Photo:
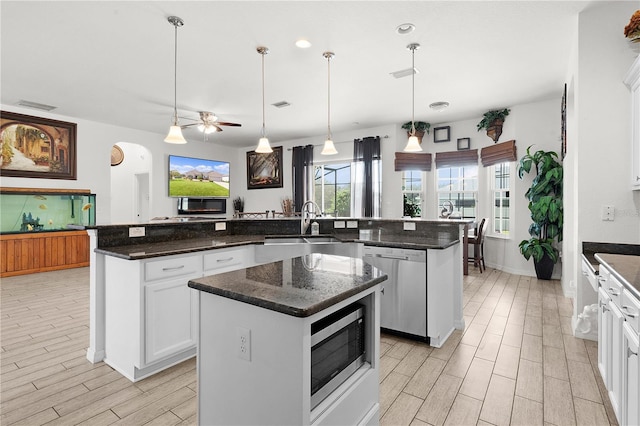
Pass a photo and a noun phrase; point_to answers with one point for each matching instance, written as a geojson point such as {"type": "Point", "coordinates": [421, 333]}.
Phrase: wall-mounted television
{"type": "Point", "coordinates": [198, 178]}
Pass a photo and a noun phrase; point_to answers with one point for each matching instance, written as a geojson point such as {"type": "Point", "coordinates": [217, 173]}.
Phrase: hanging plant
{"type": "Point", "coordinates": [492, 121]}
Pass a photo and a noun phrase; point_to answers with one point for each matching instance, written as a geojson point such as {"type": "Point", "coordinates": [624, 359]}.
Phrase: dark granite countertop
{"type": "Point", "coordinates": [589, 250]}
{"type": "Point", "coordinates": [626, 268]}
{"type": "Point", "coordinates": [167, 248]}
{"type": "Point", "coordinates": [301, 286]}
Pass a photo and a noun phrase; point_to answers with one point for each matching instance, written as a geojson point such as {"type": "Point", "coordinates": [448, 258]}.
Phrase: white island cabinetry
{"type": "Point", "coordinates": [151, 315]}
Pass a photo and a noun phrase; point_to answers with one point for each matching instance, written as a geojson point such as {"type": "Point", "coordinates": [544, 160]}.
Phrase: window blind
{"type": "Point", "coordinates": [457, 158]}
{"type": "Point", "coordinates": [499, 153]}
{"type": "Point", "coordinates": [412, 161]}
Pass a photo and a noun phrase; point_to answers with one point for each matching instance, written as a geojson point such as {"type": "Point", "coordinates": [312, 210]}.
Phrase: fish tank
{"type": "Point", "coordinates": [25, 210]}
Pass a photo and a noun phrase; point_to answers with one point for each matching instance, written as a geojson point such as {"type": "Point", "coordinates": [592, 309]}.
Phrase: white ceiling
{"type": "Point", "coordinates": [113, 62]}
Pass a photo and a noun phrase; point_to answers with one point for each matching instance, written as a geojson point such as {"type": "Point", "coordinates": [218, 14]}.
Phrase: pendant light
{"type": "Point", "coordinates": [175, 133]}
{"type": "Point", "coordinates": [329, 148]}
{"type": "Point", "coordinates": [413, 145]}
{"type": "Point", "coordinates": [263, 143]}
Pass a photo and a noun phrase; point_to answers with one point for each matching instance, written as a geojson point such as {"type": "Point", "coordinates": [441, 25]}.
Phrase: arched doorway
{"type": "Point", "coordinates": [130, 183]}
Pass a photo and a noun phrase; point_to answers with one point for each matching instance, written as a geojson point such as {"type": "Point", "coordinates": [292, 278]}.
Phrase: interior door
{"type": "Point", "coordinates": [142, 197]}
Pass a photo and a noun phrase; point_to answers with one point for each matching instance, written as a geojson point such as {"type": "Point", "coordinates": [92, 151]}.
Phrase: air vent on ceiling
{"type": "Point", "coordinates": [405, 73]}
{"type": "Point", "coordinates": [35, 105]}
{"type": "Point", "coordinates": [281, 104]}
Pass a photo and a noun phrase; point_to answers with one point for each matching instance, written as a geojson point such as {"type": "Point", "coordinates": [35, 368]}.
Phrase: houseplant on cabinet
{"type": "Point", "coordinates": [545, 205]}
{"type": "Point", "coordinates": [420, 126]}
{"type": "Point", "coordinates": [493, 121]}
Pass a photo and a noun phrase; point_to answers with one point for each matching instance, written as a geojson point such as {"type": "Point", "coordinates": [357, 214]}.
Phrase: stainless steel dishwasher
{"type": "Point", "coordinates": [403, 304]}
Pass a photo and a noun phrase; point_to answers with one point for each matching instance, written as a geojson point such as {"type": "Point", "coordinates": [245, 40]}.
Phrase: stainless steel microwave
{"type": "Point", "coordinates": [337, 350]}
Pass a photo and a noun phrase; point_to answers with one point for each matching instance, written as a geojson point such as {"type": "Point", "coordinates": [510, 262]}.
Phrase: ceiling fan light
{"type": "Point", "coordinates": [413, 145]}
{"type": "Point", "coordinates": [263, 146]}
{"type": "Point", "coordinates": [329, 148]}
{"type": "Point", "coordinates": [175, 136]}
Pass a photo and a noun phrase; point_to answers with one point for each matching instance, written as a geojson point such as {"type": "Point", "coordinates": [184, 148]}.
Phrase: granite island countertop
{"type": "Point", "coordinates": [192, 245]}
{"type": "Point", "coordinates": [301, 286]}
{"type": "Point", "coordinates": [626, 268]}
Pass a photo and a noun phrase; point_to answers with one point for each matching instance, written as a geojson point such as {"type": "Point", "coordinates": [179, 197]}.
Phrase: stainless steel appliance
{"type": "Point", "coordinates": [403, 303]}
{"type": "Point", "coordinates": [337, 350]}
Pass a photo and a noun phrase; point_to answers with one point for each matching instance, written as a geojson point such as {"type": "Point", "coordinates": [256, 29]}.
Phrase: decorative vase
{"type": "Point", "coordinates": [495, 129]}
{"type": "Point", "coordinates": [544, 268]}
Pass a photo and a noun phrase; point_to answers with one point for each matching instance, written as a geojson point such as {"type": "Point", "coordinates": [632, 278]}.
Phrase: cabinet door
{"type": "Point", "coordinates": [630, 377]}
{"type": "Point", "coordinates": [604, 337]}
{"type": "Point", "coordinates": [170, 319]}
{"type": "Point", "coordinates": [616, 362]}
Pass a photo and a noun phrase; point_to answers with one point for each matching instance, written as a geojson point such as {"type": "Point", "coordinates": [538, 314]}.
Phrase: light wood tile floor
{"type": "Point", "coordinates": [515, 363]}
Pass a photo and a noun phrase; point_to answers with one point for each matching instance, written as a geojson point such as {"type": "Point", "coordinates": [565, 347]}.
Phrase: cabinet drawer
{"type": "Point", "coordinates": [631, 309]}
{"type": "Point", "coordinates": [223, 259]}
{"type": "Point", "coordinates": [614, 289]}
{"type": "Point", "coordinates": [171, 267]}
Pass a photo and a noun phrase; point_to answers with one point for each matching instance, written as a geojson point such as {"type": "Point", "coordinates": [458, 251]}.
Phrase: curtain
{"type": "Point", "coordinates": [302, 163]}
{"type": "Point", "coordinates": [366, 179]}
{"type": "Point", "coordinates": [499, 153]}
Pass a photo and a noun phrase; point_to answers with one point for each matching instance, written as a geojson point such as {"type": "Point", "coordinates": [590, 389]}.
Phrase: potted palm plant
{"type": "Point", "coordinates": [421, 127]}
{"type": "Point", "coordinates": [545, 205]}
{"type": "Point", "coordinates": [492, 121]}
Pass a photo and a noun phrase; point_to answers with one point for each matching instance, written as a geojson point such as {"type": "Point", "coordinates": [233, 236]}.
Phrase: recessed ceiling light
{"type": "Point", "coordinates": [303, 43]}
{"type": "Point", "coordinates": [403, 29]}
{"type": "Point", "coordinates": [439, 106]}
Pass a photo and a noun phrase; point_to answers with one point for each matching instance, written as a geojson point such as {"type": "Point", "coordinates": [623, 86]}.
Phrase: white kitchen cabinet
{"type": "Point", "coordinates": [605, 322]}
{"type": "Point", "coordinates": [631, 376]}
{"type": "Point", "coordinates": [615, 389]}
{"type": "Point", "coordinates": [151, 318]}
{"type": "Point", "coordinates": [632, 80]}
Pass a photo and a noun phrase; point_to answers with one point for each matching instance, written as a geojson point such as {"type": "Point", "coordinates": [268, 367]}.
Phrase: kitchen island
{"type": "Point", "coordinates": [256, 327]}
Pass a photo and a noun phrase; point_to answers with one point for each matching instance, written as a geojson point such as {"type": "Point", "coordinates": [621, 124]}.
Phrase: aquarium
{"type": "Point", "coordinates": [25, 211]}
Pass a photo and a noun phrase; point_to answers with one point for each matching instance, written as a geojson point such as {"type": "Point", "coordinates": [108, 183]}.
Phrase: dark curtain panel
{"type": "Point", "coordinates": [367, 150]}
{"type": "Point", "coordinates": [302, 161]}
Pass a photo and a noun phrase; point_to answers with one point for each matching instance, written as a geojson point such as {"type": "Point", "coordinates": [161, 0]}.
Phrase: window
{"type": "Point", "coordinates": [459, 185]}
{"type": "Point", "coordinates": [412, 193]}
{"type": "Point", "coordinates": [332, 188]}
{"type": "Point", "coordinates": [500, 192]}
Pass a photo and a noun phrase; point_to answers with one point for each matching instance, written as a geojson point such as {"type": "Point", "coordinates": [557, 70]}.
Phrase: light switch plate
{"type": "Point", "coordinates": [608, 213]}
{"type": "Point", "coordinates": [221, 226]}
{"type": "Point", "coordinates": [136, 231]}
{"type": "Point", "coordinates": [409, 226]}
{"type": "Point", "coordinates": [338, 224]}
{"type": "Point", "coordinates": [352, 224]}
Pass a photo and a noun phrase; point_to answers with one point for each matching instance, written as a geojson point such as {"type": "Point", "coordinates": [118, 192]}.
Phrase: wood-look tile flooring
{"type": "Point", "coordinates": [516, 363]}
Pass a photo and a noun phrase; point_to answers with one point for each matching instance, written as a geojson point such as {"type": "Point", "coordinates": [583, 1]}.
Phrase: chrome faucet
{"type": "Point", "coordinates": [305, 220]}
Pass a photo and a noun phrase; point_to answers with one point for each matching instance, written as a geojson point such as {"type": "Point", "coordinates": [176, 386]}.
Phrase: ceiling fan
{"type": "Point", "coordinates": [208, 123]}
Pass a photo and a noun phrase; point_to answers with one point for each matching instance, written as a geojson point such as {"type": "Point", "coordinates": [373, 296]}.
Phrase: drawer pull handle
{"type": "Point", "coordinates": [604, 308]}
{"type": "Point", "coordinates": [175, 268]}
{"type": "Point", "coordinates": [625, 310]}
{"type": "Point", "coordinates": [614, 292]}
{"type": "Point", "coordinates": [630, 353]}
{"type": "Point", "coordinates": [228, 259]}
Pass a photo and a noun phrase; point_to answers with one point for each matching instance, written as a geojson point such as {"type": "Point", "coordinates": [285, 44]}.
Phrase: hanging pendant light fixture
{"type": "Point", "coordinates": [263, 143]}
{"type": "Point", "coordinates": [329, 148]}
{"type": "Point", "coordinates": [175, 133]}
{"type": "Point", "coordinates": [413, 145]}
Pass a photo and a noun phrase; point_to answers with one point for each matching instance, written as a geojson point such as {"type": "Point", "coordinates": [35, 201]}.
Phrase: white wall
{"type": "Point", "coordinates": [93, 144]}
{"type": "Point", "coordinates": [598, 164]}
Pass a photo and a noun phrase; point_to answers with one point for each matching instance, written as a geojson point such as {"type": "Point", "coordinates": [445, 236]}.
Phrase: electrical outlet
{"type": "Point", "coordinates": [243, 336]}
{"type": "Point", "coordinates": [221, 226]}
{"type": "Point", "coordinates": [608, 213]}
{"type": "Point", "coordinates": [136, 231]}
{"type": "Point", "coordinates": [352, 224]}
{"type": "Point", "coordinates": [338, 224]}
{"type": "Point", "coordinates": [409, 226]}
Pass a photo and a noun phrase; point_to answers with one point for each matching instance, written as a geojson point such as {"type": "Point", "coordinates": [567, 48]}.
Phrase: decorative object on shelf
{"type": "Point", "coordinates": [175, 132]}
{"type": "Point", "coordinates": [632, 31]}
{"type": "Point", "coordinates": [492, 121]}
{"type": "Point", "coordinates": [563, 123]}
{"type": "Point", "coordinates": [413, 144]}
{"type": "Point", "coordinates": [287, 207]}
{"type": "Point", "coordinates": [117, 155]}
{"type": "Point", "coordinates": [421, 128]}
{"type": "Point", "coordinates": [37, 147]}
{"type": "Point", "coordinates": [329, 148]}
{"type": "Point", "coordinates": [442, 134]}
{"type": "Point", "coordinates": [263, 143]}
{"type": "Point", "coordinates": [264, 170]}
{"type": "Point", "coordinates": [238, 205]}
{"type": "Point", "coordinates": [464, 143]}
{"type": "Point", "coordinates": [545, 205]}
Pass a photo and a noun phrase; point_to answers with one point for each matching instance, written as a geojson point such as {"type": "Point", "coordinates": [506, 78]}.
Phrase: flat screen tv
{"type": "Point", "coordinates": [198, 178]}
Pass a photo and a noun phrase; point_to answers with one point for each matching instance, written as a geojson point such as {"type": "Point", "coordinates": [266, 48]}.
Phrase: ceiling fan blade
{"type": "Point", "coordinates": [226, 123]}
{"type": "Point", "coordinates": [184, 126]}
{"type": "Point", "coordinates": [217, 127]}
